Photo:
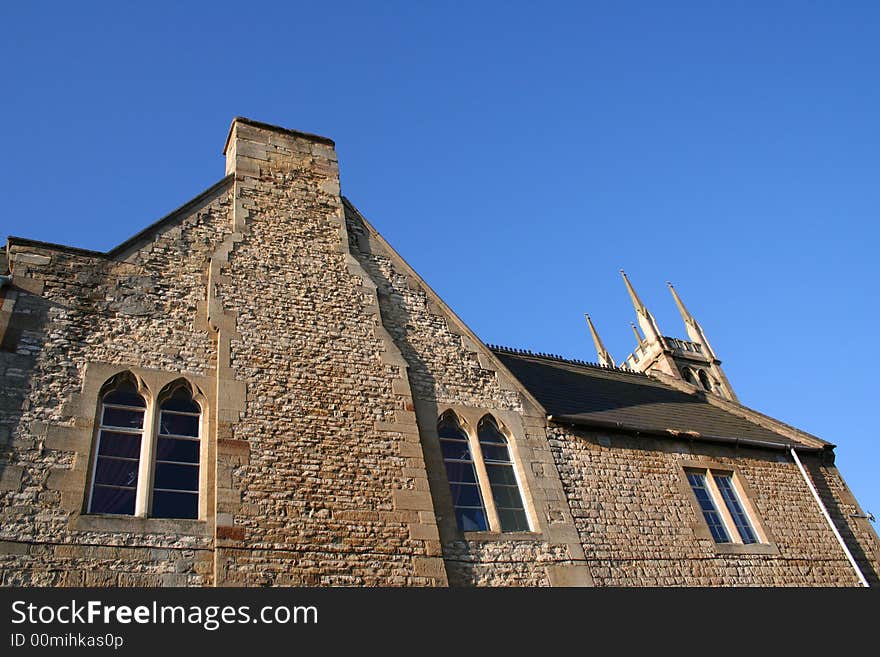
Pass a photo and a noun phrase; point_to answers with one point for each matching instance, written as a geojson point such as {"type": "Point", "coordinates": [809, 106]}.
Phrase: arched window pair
{"type": "Point", "coordinates": [470, 478]}
{"type": "Point", "coordinates": [146, 465]}
{"type": "Point", "coordinates": [688, 375]}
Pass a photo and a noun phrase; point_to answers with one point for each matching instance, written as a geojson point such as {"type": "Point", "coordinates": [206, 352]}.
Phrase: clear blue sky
{"type": "Point", "coordinates": [518, 155]}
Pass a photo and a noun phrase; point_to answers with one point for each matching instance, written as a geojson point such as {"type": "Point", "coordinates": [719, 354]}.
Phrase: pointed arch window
{"type": "Point", "coordinates": [502, 476]}
{"type": "Point", "coordinates": [176, 477]}
{"type": "Point", "coordinates": [118, 452]}
{"type": "Point", "coordinates": [467, 499]}
{"type": "Point", "coordinates": [486, 494]}
{"type": "Point", "coordinates": [147, 451]}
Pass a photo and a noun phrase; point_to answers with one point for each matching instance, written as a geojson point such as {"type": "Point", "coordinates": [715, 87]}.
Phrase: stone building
{"type": "Point", "coordinates": [258, 390]}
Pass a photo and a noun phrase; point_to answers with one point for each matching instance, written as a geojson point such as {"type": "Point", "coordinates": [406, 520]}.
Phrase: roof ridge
{"type": "Point", "coordinates": [562, 359]}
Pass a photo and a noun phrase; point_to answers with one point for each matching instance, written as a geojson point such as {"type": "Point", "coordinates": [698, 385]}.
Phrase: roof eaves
{"type": "Point", "coordinates": [51, 246]}
{"type": "Point", "coordinates": [674, 434]}
{"type": "Point", "coordinates": [746, 413]}
{"type": "Point", "coordinates": [789, 433]}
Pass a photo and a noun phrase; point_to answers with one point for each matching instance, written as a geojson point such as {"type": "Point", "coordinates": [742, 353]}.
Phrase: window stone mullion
{"type": "Point", "coordinates": [145, 470]}
{"type": "Point", "coordinates": [485, 486]}
{"type": "Point", "coordinates": [721, 506]}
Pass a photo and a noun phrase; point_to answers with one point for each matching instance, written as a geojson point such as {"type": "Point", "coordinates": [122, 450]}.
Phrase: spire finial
{"type": "Point", "coordinates": [604, 357]}
{"type": "Point", "coordinates": [685, 315]}
{"type": "Point", "coordinates": [691, 325]}
{"type": "Point", "coordinates": [637, 303]}
{"type": "Point", "coordinates": [646, 319]}
{"type": "Point", "coordinates": [696, 334]}
{"type": "Point", "coordinates": [636, 333]}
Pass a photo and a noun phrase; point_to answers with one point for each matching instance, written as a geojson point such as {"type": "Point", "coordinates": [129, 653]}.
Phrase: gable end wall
{"type": "Point", "coordinates": [76, 320]}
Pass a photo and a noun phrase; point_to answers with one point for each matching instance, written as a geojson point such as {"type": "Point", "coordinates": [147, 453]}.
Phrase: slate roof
{"type": "Point", "coordinates": [592, 395]}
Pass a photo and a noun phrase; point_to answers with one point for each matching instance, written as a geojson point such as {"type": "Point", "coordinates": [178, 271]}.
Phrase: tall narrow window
{"type": "Point", "coordinates": [176, 479]}
{"type": "Point", "coordinates": [725, 507]}
{"type": "Point", "coordinates": [463, 484]}
{"type": "Point", "coordinates": [704, 379]}
{"type": "Point", "coordinates": [688, 375]}
{"type": "Point", "coordinates": [502, 477]}
{"type": "Point", "coordinates": [734, 506]}
{"type": "Point", "coordinates": [117, 461]}
{"type": "Point", "coordinates": [698, 484]}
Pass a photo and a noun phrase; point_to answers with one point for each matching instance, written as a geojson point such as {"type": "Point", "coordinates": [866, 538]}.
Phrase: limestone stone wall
{"type": "Point", "coordinates": [321, 480]}
{"type": "Point", "coordinates": [71, 312]}
{"type": "Point", "coordinates": [450, 369]}
{"type": "Point", "coordinates": [849, 518]}
{"type": "Point", "coordinates": [638, 526]}
{"type": "Point", "coordinates": [323, 362]}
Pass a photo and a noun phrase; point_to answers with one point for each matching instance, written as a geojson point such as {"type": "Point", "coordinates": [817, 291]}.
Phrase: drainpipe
{"type": "Point", "coordinates": [862, 580]}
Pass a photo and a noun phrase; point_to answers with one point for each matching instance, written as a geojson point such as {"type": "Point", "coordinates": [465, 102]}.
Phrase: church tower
{"type": "Point", "coordinates": [693, 360]}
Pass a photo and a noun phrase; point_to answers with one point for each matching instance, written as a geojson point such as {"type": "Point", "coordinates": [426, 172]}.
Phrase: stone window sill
{"type": "Point", "coordinates": [137, 525]}
{"type": "Point", "coordinates": [503, 536]}
{"type": "Point", "coordinates": [751, 548]}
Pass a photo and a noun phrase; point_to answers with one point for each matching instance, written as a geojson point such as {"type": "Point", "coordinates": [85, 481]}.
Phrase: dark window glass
{"type": "Point", "coordinates": [181, 401]}
{"type": "Point", "coordinates": [499, 466]}
{"type": "Point", "coordinates": [493, 443]}
{"type": "Point", "coordinates": [453, 449]}
{"type": "Point", "coordinates": [176, 484]}
{"type": "Point", "coordinates": [113, 500]}
{"type": "Point", "coordinates": [501, 474]}
{"type": "Point", "coordinates": [704, 379]}
{"type": "Point", "coordinates": [467, 499]}
{"type": "Point", "coordinates": [124, 418]}
{"type": "Point", "coordinates": [114, 485]}
{"type": "Point", "coordinates": [116, 472]}
{"type": "Point", "coordinates": [513, 520]}
{"type": "Point", "coordinates": [448, 427]}
{"type": "Point", "coordinates": [506, 497]}
{"type": "Point", "coordinates": [495, 453]}
{"type": "Point", "coordinates": [176, 477]}
{"type": "Point", "coordinates": [174, 424]}
{"type": "Point", "coordinates": [466, 495]}
{"type": "Point", "coordinates": [125, 395]}
{"type": "Point", "coordinates": [487, 432]}
{"type": "Point", "coordinates": [126, 445]}
{"type": "Point", "coordinates": [175, 505]}
{"type": "Point", "coordinates": [710, 513]}
{"type": "Point", "coordinates": [740, 519]}
{"type": "Point", "coordinates": [173, 449]}
{"type": "Point", "coordinates": [472, 520]}
{"type": "Point", "coordinates": [460, 472]}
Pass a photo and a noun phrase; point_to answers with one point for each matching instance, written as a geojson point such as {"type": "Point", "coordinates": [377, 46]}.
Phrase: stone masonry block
{"type": "Point", "coordinates": [424, 532]}
{"type": "Point", "coordinates": [569, 575]}
{"type": "Point", "coordinates": [429, 567]}
{"type": "Point", "coordinates": [30, 259]}
{"type": "Point", "coordinates": [10, 477]}
{"type": "Point", "coordinates": [412, 500]}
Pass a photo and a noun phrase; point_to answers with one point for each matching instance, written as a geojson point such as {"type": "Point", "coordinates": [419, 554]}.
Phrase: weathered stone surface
{"type": "Point", "coordinates": [323, 363]}
{"type": "Point", "coordinates": [637, 526]}
{"type": "Point", "coordinates": [449, 368]}
{"type": "Point", "coordinates": [83, 315]}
